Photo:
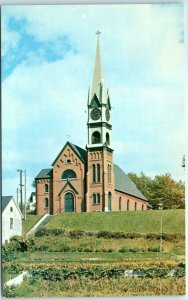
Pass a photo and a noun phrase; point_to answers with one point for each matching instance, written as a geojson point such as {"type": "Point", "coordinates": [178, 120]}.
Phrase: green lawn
{"type": "Point", "coordinates": [129, 221]}
{"type": "Point", "coordinates": [31, 220]}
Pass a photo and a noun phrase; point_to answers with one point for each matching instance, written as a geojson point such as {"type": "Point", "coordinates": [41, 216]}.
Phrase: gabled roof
{"type": "Point", "coordinates": [124, 184]}
{"type": "Point", "coordinates": [82, 154]}
{"type": "Point", "coordinates": [95, 101]}
{"type": "Point", "coordinates": [44, 174]}
{"type": "Point", "coordinates": [5, 202]}
{"type": "Point", "coordinates": [71, 186]}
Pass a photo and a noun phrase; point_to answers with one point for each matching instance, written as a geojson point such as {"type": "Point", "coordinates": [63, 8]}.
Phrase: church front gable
{"type": "Point", "coordinates": [69, 201]}
{"type": "Point", "coordinates": [68, 167]}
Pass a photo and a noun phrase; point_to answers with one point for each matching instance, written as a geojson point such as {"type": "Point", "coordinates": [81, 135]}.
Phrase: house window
{"type": "Point", "coordinates": [128, 204]}
{"type": "Point", "coordinates": [96, 137]}
{"type": "Point", "coordinates": [68, 174]}
{"type": "Point", "coordinates": [93, 173]}
{"type": "Point", "coordinates": [11, 223]}
{"type": "Point", "coordinates": [98, 173]}
{"type": "Point", "coordinates": [98, 199]}
{"type": "Point", "coordinates": [142, 206]}
{"type": "Point", "coordinates": [11, 208]}
{"type": "Point", "coordinates": [94, 198]}
{"type": "Point", "coordinates": [46, 203]}
{"type": "Point", "coordinates": [135, 206]}
{"type": "Point", "coordinates": [68, 161]}
{"type": "Point", "coordinates": [119, 203]}
{"type": "Point", "coordinates": [46, 188]}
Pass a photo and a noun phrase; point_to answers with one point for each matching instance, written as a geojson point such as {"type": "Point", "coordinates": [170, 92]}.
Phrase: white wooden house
{"type": "Point", "coordinates": [32, 202]}
{"type": "Point", "coordinates": [11, 218]}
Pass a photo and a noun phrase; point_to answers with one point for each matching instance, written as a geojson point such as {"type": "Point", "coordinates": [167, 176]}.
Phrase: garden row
{"type": "Point", "coordinates": [88, 248]}
{"type": "Point", "coordinates": [54, 273]}
{"type": "Point", "coordinates": [107, 234]}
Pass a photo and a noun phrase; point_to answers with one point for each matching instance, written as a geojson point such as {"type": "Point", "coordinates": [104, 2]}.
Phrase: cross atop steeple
{"type": "Point", "coordinates": [98, 33]}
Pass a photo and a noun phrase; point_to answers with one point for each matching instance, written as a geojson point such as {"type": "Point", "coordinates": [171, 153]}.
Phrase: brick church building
{"type": "Point", "coordinates": [87, 180]}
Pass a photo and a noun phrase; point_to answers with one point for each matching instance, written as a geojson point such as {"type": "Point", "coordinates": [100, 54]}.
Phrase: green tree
{"type": "Point", "coordinates": [168, 192]}
{"type": "Point", "coordinates": [143, 183]}
{"type": "Point", "coordinates": [161, 190]}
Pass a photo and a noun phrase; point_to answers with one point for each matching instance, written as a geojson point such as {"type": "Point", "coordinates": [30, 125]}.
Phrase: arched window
{"type": "Point", "coordinates": [109, 201]}
{"type": "Point", "coordinates": [96, 137]}
{"type": "Point", "coordinates": [46, 187]}
{"type": "Point", "coordinates": [142, 206]}
{"type": "Point", "coordinates": [98, 199]}
{"type": "Point", "coordinates": [128, 204]}
{"type": "Point", "coordinates": [119, 203]}
{"type": "Point", "coordinates": [98, 173]}
{"type": "Point", "coordinates": [68, 161]}
{"type": "Point", "coordinates": [68, 174]}
{"type": "Point", "coordinates": [107, 138]}
{"type": "Point", "coordinates": [93, 173]}
{"type": "Point", "coordinates": [46, 202]}
{"type": "Point", "coordinates": [135, 206]}
{"type": "Point", "coordinates": [94, 198]}
{"type": "Point", "coordinates": [109, 174]}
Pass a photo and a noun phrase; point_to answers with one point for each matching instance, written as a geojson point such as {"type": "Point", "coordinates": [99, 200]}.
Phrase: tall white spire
{"type": "Point", "coordinates": [98, 84]}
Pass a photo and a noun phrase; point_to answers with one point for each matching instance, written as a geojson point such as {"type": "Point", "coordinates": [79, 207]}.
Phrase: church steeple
{"type": "Point", "coordinates": [98, 79]}
{"type": "Point", "coordinates": [99, 126]}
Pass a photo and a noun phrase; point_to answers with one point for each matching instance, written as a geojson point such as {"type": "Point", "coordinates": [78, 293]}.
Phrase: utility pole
{"type": "Point", "coordinates": [161, 236]}
{"type": "Point", "coordinates": [25, 197]}
{"type": "Point", "coordinates": [17, 190]}
{"type": "Point", "coordinates": [21, 194]}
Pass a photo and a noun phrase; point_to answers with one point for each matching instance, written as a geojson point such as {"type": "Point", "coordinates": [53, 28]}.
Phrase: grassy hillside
{"type": "Point", "coordinates": [130, 221]}
{"type": "Point", "coordinates": [31, 220]}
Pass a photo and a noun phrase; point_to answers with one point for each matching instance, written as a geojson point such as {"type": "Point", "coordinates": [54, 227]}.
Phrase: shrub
{"type": "Point", "coordinates": [154, 249]}
{"type": "Point", "coordinates": [8, 292]}
{"type": "Point", "coordinates": [132, 235]}
{"type": "Point", "coordinates": [76, 233]}
{"type": "Point", "coordinates": [44, 247]}
{"type": "Point", "coordinates": [123, 249]}
{"type": "Point", "coordinates": [104, 234]}
{"type": "Point", "coordinates": [134, 250]}
{"type": "Point", "coordinates": [10, 251]}
{"type": "Point", "coordinates": [42, 232]}
{"type": "Point", "coordinates": [64, 248]}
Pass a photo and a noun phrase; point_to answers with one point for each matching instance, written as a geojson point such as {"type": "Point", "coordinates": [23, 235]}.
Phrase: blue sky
{"type": "Point", "coordinates": [48, 57]}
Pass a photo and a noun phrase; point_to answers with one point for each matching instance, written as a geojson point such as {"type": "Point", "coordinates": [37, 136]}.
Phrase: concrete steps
{"type": "Point", "coordinates": [41, 223]}
{"type": "Point", "coordinates": [44, 222]}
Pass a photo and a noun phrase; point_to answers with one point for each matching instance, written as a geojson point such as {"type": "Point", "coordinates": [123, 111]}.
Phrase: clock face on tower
{"type": "Point", "coordinates": [107, 115]}
{"type": "Point", "coordinates": [95, 114]}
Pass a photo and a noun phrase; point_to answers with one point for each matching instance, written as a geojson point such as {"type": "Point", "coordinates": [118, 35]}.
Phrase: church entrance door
{"type": "Point", "coordinates": [69, 202]}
